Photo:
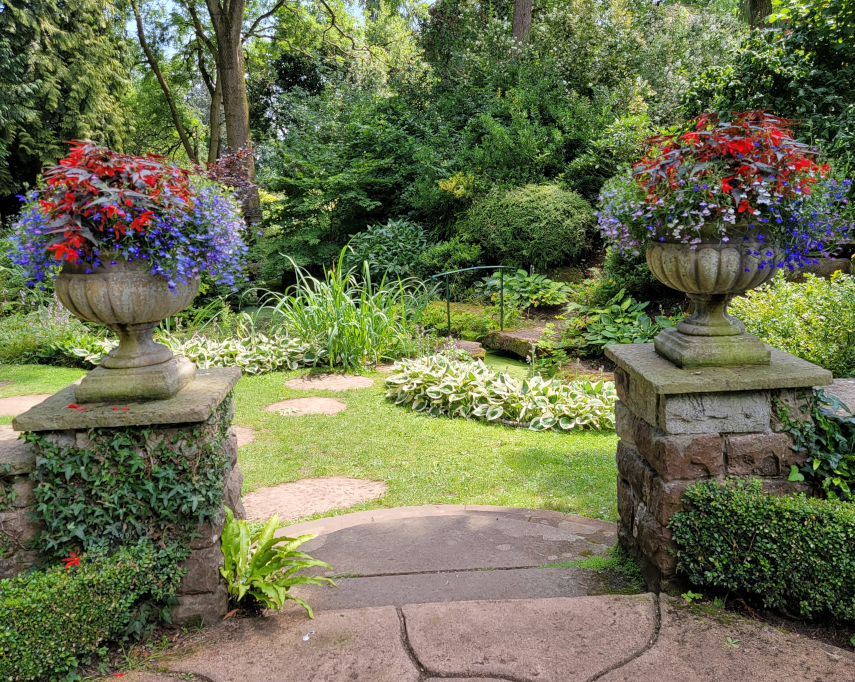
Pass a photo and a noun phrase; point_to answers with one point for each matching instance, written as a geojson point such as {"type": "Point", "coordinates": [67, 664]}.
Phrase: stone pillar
{"type": "Point", "coordinates": [677, 426]}
{"type": "Point", "coordinates": [194, 418]}
{"type": "Point", "coordinates": [17, 502]}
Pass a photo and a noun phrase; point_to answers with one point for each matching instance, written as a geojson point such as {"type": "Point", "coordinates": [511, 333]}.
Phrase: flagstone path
{"type": "Point", "coordinates": [457, 594]}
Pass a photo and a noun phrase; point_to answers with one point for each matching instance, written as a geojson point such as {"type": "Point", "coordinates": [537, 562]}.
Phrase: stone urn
{"type": "Point", "coordinates": [130, 300]}
{"type": "Point", "coordinates": [712, 273]}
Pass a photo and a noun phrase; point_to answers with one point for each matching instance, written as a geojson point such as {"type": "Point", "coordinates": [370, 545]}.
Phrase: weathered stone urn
{"type": "Point", "coordinates": [130, 300]}
{"type": "Point", "coordinates": [712, 273]}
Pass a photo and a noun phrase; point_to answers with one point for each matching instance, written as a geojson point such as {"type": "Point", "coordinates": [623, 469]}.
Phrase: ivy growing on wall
{"type": "Point", "coordinates": [115, 486]}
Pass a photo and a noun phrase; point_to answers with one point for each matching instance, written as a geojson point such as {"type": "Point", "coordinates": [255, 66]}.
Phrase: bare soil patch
{"type": "Point", "coordinates": [297, 407]}
{"type": "Point", "coordinates": [309, 496]}
{"type": "Point", "coordinates": [18, 404]}
{"type": "Point", "coordinates": [329, 382]}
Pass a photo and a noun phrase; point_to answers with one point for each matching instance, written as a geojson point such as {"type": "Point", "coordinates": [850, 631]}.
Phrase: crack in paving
{"type": "Point", "coordinates": [657, 627]}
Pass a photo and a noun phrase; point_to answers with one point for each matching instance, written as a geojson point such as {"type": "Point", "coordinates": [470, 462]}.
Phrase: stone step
{"type": "Point", "coordinates": [475, 349]}
{"type": "Point", "coordinates": [518, 341]}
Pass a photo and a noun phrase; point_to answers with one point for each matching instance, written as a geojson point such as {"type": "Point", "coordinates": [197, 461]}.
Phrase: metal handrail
{"type": "Point", "coordinates": [500, 268]}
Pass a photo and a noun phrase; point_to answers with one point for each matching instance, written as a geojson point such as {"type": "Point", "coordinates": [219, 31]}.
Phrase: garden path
{"type": "Point", "coordinates": [456, 593]}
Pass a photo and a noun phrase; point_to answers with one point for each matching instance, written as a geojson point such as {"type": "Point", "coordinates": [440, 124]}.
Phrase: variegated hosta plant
{"type": "Point", "coordinates": [440, 386]}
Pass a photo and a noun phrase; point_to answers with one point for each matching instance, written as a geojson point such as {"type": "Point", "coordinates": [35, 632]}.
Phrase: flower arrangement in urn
{"type": "Point", "coordinates": [130, 237]}
{"type": "Point", "coordinates": [720, 208]}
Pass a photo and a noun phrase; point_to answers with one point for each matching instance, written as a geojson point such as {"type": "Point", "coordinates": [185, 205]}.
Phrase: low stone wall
{"type": "Point", "coordinates": [195, 421]}
{"type": "Point", "coordinates": [677, 426]}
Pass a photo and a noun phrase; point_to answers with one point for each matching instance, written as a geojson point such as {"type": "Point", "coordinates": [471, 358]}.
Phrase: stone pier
{"type": "Point", "coordinates": [196, 420]}
{"type": "Point", "coordinates": [677, 426]}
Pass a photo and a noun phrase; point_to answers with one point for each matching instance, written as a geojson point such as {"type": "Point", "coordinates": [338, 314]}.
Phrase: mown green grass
{"type": "Point", "coordinates": [422, 460]}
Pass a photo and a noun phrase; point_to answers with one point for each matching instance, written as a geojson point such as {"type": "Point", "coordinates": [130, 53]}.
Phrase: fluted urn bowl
{"type": "Point", "coordinates": [130, 300]}
{"type": "Point", "coordinates": [711, 274]}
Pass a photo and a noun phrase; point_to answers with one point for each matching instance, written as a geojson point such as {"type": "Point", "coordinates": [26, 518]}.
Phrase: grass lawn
{"type": "Point", "coordinates": [423, 460]}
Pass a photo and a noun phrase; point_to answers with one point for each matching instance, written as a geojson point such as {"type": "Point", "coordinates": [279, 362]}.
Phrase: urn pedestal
{"type": "Point", "coordinates": [712, 274]}
{"type": "Point", "coordinates": [130, 300]}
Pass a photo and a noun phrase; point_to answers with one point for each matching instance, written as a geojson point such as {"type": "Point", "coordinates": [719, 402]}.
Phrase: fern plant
{"type": "Point", "coordinates": [262, 567]}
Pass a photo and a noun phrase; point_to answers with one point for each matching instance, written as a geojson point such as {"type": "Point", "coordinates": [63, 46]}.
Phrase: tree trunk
{"type": "Point", "coordinates": [214, 124]}
{"type": "Point", "coordinates": [164, 86]}
{"type": "Point", "coordinates": [522, 20]}
{"type": "Point", "coordinates": [758, 11]}
{"type": "Point", "coordinates": [228, 23]}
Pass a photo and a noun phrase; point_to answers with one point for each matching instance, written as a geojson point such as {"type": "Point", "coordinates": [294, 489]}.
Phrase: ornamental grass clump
{"type": "Point", "coordinates": [98, 206]}
{"type": "Point", "coordinates": [744, 179]}
{"type": "Point", "coordinates": [440, 386]}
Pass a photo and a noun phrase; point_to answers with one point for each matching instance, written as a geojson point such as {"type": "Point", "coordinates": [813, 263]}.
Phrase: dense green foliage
{"type": "Point", "coordinates": [620, 320]}
{"type": "Point", "coordinates": [131, 483]}
{"type": "Point", "coordinates": [788, 551]}
{"type": "Point", "coordinates": [814, 319]}
{"type": "Point", "coordinates": [437, 386]}
{"type": "Point", "coordinates": [800, 67]}
{"type": "Point", "coordinates": [827, 441]}
{"type": "Point", "coordinates": [262, 567]}
{"type": "Point", "coordinates": [468, 322]}
{"type": "Point", "coordinates": [51, 621]}
{"type": "Point", "coordinates": [63, 76]}
{"type": "Point", "coordinates": [393, 249]}
{"type": "Point", "coordinates": [533, 225]}
{"type": "Point", "coordinates": [523, 290]}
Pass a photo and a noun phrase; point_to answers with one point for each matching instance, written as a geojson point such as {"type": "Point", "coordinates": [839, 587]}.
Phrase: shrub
{"type": "Point", "coordinates": [814, 319]}
{"type": "Point", "coordinates": [51, 621]}
{"type": "Point", "coordinates": [628, 273]}
{"type": "Point", "coordinates": [393, 249]}
{"type": "Point", "coordinates": [522, 290]}
{"type": "Point", "coordinates": [790, 552]}
{"type": "Point", "coordinates": [533, 225]}
{"type": "Point", "coordinates": [440, 386]}
{"type": "Point", "coordinates": [447, 256]}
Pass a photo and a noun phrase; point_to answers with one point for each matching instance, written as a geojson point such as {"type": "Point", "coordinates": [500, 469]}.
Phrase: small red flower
{"type": "Point", "coordinates": [71, 560]}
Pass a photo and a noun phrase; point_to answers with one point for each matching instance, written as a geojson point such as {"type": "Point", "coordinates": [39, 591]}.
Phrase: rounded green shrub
{"type": "Point", "coordinates": [532, 225]}
{"type": "Point", "coordinates": [51, 621]}
{"type": "Point", "coordinates": [788, 551]}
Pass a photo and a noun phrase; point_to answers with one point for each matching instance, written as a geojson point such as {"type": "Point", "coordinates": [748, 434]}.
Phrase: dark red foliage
{"type": "Point", "coordinates": [95, 191]}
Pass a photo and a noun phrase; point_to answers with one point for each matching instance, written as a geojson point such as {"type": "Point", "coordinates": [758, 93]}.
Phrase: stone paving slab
{"type": "Point", "coordinates": [424, 588]}
{"type": "Point", "coordinates": [538, 640]}
{"type": "Point", "coordinates": [693, 648]}
{"type": "Point", "coordinates": [457, 539]}
{"type": "Point", "coordinates": [362, 644]}
{"type": "Point", "coordinates": [18, 404]}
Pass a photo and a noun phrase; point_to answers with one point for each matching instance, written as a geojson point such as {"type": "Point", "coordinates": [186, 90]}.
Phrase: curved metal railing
{"type": "Point", "coordinates": [500, 268]}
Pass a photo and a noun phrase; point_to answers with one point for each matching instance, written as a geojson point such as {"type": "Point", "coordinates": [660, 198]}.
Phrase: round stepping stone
{"type": "Point", "coordinates": [309, 496]}
{"type": "Point", "coordinates": [329, 382]}
{"type": "Point", "coordinates": [297, 407]}
{"type": "Point", "coordinates": [18, 404]}
{"type": "Point", "coordinates": [244, 435]}
{"type": "Point", "coordinates": [386, 368]}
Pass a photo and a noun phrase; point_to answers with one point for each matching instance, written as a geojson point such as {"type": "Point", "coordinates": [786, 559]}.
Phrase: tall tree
{"type": "Point", "coordinates": [63, 75]}
{"type": "Point", "coordinates": [758, 12]}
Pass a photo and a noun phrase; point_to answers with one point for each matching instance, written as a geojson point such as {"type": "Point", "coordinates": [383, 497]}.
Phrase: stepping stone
{"type": "Point", "coordinates": [309, 496]}
{"type": "Point", "coordinates": [518, 341]}
{"type": "Point", "coordinates": [18, 404]}
{"type": "Point", "coordinates": [692, 648]}
{"type": "Point", "coordinates": [363, 644]}
{"type": "Point", "coordinates": [329, 382]}
{"type": "Point", "coordinates": [297, 407]}
{"type": "Point", "coordinates": [244, 435]}
{"type": "Point", "coordinates": [548, 640]}
{"type": "Point", "coordinates": [3, 384]}
{"type": "Point", "coordinates": [386, 368]}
